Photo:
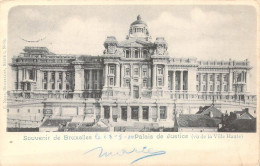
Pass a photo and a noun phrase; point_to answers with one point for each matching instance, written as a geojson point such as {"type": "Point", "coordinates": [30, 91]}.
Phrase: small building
{"type": "Point", "coordinates": [212, 111]}
{"type": "Point", "coordinates": [244, 114]}
{"type": "Point", "coordinates": [51, 125]}
{"type": "Point", "coordinates": [241, 125]}
{"type": "Point", "coordinates": [196, 123]}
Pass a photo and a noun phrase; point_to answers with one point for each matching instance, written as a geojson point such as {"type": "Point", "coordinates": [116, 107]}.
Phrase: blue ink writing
{"type": "Point", "coordinates": [148, 153]}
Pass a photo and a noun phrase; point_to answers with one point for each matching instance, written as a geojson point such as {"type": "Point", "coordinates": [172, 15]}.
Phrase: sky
{"type": "Point", "coordinates": [205, 32]}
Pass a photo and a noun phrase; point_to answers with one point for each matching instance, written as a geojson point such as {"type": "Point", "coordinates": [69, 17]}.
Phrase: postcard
{"type": "Point", "coordinates": [129, 83]}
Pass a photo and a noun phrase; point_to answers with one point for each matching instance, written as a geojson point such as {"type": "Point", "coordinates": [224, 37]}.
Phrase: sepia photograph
{"type": "Point", "coordinates": [132, 68]}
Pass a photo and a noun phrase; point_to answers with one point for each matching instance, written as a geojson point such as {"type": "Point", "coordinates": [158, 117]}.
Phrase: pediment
{"type": "Point", "coordinates": [135, 43]}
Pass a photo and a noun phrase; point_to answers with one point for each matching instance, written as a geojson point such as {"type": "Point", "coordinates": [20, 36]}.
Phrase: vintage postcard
{"type": "Point", "coordinates": [129, 83]}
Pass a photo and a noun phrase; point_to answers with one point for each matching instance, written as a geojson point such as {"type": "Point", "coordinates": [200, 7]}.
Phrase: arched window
{"type": "Point", "coordinates": [127, 54]}
{"type": "Point", "coordinates": [136, 53]}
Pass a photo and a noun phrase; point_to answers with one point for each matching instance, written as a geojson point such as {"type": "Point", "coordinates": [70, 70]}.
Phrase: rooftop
{"type": "Point", "coordinates": [195, 120]}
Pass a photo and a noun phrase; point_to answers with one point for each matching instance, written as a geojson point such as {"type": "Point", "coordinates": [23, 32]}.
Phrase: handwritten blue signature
{"type": "Point", "coordinates": [149, 153]}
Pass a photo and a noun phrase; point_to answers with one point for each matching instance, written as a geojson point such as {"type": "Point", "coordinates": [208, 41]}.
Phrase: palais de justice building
{"type": "Point", "coordinates": [133, 81]}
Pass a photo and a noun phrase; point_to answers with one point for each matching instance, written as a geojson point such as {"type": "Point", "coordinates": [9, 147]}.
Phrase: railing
{"type": "Point", "coordinates": [223, 63]}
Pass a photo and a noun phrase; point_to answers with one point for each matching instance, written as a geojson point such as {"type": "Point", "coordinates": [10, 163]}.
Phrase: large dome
{"type": "Point", "coordinates": [139, 21]}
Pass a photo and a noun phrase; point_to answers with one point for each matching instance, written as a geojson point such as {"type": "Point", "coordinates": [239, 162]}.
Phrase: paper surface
{"type": "Point", "coordinates": [212, 32]}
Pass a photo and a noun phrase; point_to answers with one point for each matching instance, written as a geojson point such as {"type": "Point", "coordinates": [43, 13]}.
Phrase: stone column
{"type": "Point", "coordinates": [166, 76]}
{"type": "Point", "coordinates": [63, 80]}
{"type": "Point", "coordinates": [173, 80]}
{"type": "Point", "coordinates": [200, 82]}
{"type": "Point", "coordinates": [207, 82]}
{"type": "Point", "coordinates": [230, 80]}
{"type": "Point", "coordinates": [79, 78]}
{"type": "Point", "coordinates": [192, 80]}
{"type": "Point", "coordinates": [168, 113]}
{"type": "Point", "coordinates": [102, 113]}
{"type": "Point", "coordinates": [181, 81]}
{"type": "Point", "coordinates": [158, 113]}
{"type": "Point", "coordinates": [154, 76]}
{"type": "Point", "coordinates": [149, 76]}
{"type": "Point", "coordinates": [140, 111]}
{"type": "Point", "coordinates": [119, 112]}
{"type": "Point", "coordinates": [150, 114]}
{"type": "Point", "coordinates": [105, 75]}
{"type": "Point", "coordinates": [122, 75]}
{"type": "Point", "coordinates": [117, 75]}
{"type": "Point", "coordinates": [39, 79]}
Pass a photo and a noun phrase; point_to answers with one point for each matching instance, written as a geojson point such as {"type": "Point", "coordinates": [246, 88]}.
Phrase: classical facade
{"type": "Point", "coordinates": [133, 81]}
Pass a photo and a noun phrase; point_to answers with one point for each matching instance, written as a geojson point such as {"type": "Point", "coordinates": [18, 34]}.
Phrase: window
{"type": "Point", "coordinates": [218, 87]}
{"type": "Point", "coordinates": [136, 71]}
{"type": "Point", "coordinates": [144, 72]}
{"type": "Point", "coordinates": [204, 77]}
{"type": "Point", "coordinates": [197, 87]}
{"type": "Point", "coordinates": [136, 92]}
{"type": "Point", "coordinates": [127, 54]}
{"type": "Point", "coordinates": [30, 74]}
{"type": "Point", "coordinates": [95, 86]}
{"type": "Point", "coordinates": [60, 75]}
{"type": "Point", "coordinates": [39, 111]}
{"type": "Point", "coordinates": [67, 86]}
{"type": "Point", "coordinates": [145, 113]}
{"type": "Point", "coordinates": [136, 53]}
{"type": "Point", "coordinates": [67, 75]}
{"type": "Point", "coordinates": [60, 86]}
{"type": "Point", "coordinates": [163, 113]}
{"type": "Point", "coordinates": [160, 70]}
{"type": "Point", "coordinates": [29, 111]}
{"type": "Point", "coordinates": [18, 110]}
{"type": "Point", "coordinates": [211, 87]}
{"type": "Point", "coordinates": [127, 71]}
{"type": "Point", "coordinates": [95, 75]}
{"type": "Point", "coordinates": [111, 81]}
{"type": "Point", "coordinates": [53, 86]}
{"type": "Point", "coordinates": [127, 83]}
{"type": "Point", "coordinates": [160, 82]}
{"type": "Point", "coordinates": [211, 77]}
{"type": "Point", "coordinates": [112, 70]}
{"type": "Point", "coordinates": [218, 78]}
{"type": "Point", "coordinates": [197, 77]}
{"type": "Point", "coordinates": [145, 83]}
{"type": "Point", "coordinates": [52, 76]}
{"type": "Point", "coordinates": [225, 88]}
{"type": "Point", "coordinates": [45, 85]}
{"type": "Point", "coordinates": [204, 88]}
{"type": "Point", "coordinates": [45, 76]}
{"type": "Point", "coordinates": [239, 77]}
{"type": "Point", "coordinates": [7, 110]}
{"type": "Point", "coordinates": [225, 78]}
